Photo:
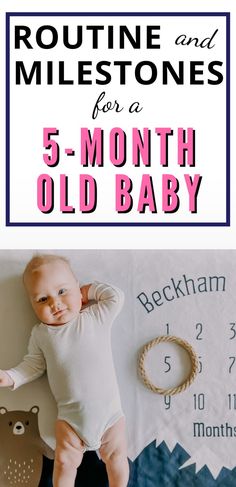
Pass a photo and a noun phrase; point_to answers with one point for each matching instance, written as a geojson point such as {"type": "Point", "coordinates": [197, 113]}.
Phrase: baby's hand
{"type": "Point", "coordinates": [84, 293]}
{"type": "Point", "coordinates": [5, 379]}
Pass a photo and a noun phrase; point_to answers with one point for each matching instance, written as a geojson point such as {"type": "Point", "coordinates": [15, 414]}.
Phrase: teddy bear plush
{"type": "Point", "coordinates": [21, 448]}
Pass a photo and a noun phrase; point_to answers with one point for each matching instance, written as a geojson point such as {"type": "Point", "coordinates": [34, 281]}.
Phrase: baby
{"type": "Point", "coordinates": [74, 346]}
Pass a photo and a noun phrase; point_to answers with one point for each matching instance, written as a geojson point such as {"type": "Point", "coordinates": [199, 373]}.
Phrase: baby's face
{"type": "Point", "coordinates": [54, 292]}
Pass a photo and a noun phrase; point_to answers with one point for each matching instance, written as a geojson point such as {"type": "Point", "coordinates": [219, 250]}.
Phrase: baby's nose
{"type": "Point", "coordinates": [54, 302]}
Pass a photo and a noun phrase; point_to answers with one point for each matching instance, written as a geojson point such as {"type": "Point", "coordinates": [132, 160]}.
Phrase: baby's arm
{"type": "Point", "coordinates": [109, 300]}
{"type": "Point", "coordinates": [32, 366]}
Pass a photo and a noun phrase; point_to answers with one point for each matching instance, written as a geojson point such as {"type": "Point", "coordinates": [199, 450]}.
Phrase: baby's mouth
{"type": "Point", "coordinates": [59, 312]}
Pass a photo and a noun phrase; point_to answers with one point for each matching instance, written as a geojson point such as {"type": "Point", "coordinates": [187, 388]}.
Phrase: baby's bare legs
{"type": "Point", "coordinates": [68, 455]}
{"type": "Point", "coordinates": [70, 449]}
{"type": "Point", "coordinates": [113, 452]}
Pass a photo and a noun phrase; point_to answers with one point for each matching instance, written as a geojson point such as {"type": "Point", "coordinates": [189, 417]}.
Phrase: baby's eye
{"type": "Point", "coordinates": [43, 299]}
{"type": "Point", "coordinates": [62, 291]}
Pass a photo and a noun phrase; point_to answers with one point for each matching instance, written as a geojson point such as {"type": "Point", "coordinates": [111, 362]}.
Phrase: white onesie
{"type": "Point", "coordinates": [79, 364]}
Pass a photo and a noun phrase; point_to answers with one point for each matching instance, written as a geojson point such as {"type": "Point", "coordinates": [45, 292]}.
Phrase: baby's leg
{"type": "Point", "coordinates": [113, 452]}
{"type": "Point", "coordinates": [68, 455]}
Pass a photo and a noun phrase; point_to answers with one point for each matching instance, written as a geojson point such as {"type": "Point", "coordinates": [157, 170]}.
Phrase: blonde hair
{"type": "Point", "coordinates": [39, 259]}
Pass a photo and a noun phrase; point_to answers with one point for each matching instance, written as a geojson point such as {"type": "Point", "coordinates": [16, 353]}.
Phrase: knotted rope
{"type": "Point", "coordinates": [174, 390]}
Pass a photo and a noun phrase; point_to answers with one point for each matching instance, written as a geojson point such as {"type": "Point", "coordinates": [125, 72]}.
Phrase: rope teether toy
{"type": "Point", "coordinates": [188, 381]}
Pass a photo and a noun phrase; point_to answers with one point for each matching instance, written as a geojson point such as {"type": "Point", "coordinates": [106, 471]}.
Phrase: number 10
{"type": "Point", "coordinates": [199, 401]}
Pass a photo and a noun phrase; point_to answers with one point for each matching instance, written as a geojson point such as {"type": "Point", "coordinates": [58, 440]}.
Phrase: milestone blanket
{"type": "Point", "coordinates": [185, 439]}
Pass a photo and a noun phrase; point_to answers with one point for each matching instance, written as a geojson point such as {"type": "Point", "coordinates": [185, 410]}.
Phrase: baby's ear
{"type": "Point", "coordinates": [80, 292]}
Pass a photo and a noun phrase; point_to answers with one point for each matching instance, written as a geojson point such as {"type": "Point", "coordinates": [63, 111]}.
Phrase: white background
{"type": "Point", "coordinates": [70, 107]}
{"type": "Point", "coordinates": [132, 237]}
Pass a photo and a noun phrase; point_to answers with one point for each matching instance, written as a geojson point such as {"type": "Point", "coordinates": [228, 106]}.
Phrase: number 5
{"type": "Point", "coordinates": [167, 363]}
{"type": "Point", "coordinates": [53, 159]}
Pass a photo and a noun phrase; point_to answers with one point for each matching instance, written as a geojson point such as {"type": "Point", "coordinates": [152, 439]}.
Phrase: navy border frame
{"type": "Point", "coordinates": [117, 14]}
